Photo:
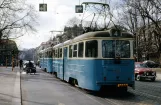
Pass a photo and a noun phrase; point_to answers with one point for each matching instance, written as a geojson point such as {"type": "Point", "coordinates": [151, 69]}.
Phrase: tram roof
{"type": "Point", "coordinates": [97, 34]}
{"type": "Point", "coordinates": [48, 49]}
{"type": "Point", "coordinates": [41, 51]}
{"type": "Point", "coordinates": [101, 34]}
{"type": "Point", "coordinates": [58, 45]}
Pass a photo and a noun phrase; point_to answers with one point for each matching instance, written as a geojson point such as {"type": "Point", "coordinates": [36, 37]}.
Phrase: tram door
{"type": "Point", "coordinates": [64, 60]}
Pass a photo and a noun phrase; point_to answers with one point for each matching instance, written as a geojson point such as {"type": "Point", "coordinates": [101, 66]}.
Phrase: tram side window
{"type": "Point", "coordinates": [53, 54]}
{"type": "Point", "coordinates": [46, 54]}
{"type": "Point", "coordinates": [75, 50]}
{"type": "Point", "coordinates": [91, 48]}
{"type": "Point", "coordinates": [70, 51]}
{"type": "Point", "coordinates": [50, 54]}
{"type": "Point", "coordinates": [60, 53]}
{"type": "Point", "coordinates": [80, 50]}
{"type": "Point", "coordinates": [56, 54]}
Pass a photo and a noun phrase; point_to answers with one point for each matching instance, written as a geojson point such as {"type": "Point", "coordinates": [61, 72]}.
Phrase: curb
{"type": "Point", "coordinates": [16, 99]}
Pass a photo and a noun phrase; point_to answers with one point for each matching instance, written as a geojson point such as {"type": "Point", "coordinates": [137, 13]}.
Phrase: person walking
{"type": "Point", "coordinates": [21, 63]}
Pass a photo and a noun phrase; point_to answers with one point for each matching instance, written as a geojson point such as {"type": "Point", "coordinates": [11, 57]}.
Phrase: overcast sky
{"type": "Point", "coordinates": [57, 15]}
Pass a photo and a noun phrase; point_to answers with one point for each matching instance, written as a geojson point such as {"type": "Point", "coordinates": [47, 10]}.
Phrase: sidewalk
{"type": "Point", "coordinates": [10, 86]}
{"type": "Point", "coordinates": [157, 69]}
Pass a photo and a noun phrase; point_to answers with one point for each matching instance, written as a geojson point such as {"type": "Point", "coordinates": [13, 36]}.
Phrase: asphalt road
{"type": "Point", "coordinates": [45, 89]}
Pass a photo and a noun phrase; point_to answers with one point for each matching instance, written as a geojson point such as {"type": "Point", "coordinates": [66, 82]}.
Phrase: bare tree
{"type": "Point", "coordinates": [142, 18]}
{"type": "Point", "coordinates": [16, 18]}
{"type": "Point", "coordinates": [73, 21]}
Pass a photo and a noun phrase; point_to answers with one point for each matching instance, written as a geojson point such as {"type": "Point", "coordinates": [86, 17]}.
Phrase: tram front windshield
{"type": "Point", "coordinates": [115, 48]}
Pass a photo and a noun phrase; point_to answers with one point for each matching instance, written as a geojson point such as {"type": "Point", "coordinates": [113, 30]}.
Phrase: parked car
{"type": "Point", "coordinates": [142, 71]}
{"type": "Point", "coordinates": [151, 64]}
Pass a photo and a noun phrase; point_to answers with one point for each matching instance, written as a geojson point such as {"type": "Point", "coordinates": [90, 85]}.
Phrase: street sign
{"type": "Point", "coordinates": [79, 9]}
{"type": "Point", "coordinates": [43, 7]}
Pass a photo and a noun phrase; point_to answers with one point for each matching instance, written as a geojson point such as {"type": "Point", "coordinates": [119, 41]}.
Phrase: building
{"type": "Point", "coordinates": [148, 43]}
{"type": "Point", "coordinates": [8, 52]}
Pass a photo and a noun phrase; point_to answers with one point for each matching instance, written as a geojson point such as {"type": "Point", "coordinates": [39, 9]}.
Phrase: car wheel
{"type": "Point", "coordinates": [153, 79]}
{"type": "Point", "coordinates": [138, 78]}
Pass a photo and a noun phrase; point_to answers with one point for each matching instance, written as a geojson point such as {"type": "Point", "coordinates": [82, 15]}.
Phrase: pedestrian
{"type": "Point", "coordinates": [20, 63]}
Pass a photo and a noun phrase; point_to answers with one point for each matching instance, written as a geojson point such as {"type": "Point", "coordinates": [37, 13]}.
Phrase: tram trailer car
{"type": "Point", "coordinates": [42, 57]}
{"type": "Point", "coordinates": [49, 60]}
{"type": "Point", "coordinates": [96, 60]}
{"type": "Point", "coordinates": [46, 60]}
{"type": "Point", "coordinates": [58, 61]}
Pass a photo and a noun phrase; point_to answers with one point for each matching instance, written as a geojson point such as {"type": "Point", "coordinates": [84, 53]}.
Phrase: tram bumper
{"type": "Point", "coordinates": [117, 83]}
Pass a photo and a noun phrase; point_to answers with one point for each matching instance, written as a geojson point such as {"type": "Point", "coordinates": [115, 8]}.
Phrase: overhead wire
{"type": "Point", "coordinates": [99, 12]}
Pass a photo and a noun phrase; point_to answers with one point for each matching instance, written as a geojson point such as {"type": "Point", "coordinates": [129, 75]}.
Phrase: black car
{"type": "Point", "coordinates": [29, 69]}
{"type": "Point", "coordinates": [151, 64]}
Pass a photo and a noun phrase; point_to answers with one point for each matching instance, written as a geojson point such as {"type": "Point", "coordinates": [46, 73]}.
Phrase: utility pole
{"type": "Point", "coordinates": [12, 59]}
{"type": "Point", "coordinates": [12, 62]}
{"type": "Point", "coordinates": [6, 62]}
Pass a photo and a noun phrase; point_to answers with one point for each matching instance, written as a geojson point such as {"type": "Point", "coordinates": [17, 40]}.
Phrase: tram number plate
{"type": "Point", "coordinates": [122, 85]}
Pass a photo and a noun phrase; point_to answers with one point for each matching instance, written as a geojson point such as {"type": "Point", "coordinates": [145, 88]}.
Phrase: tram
{"type": "Point", "coordinates": [96, 60]}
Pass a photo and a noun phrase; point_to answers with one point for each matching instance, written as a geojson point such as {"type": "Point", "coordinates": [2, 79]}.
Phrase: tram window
{"type": "Point", "coordinates": [80, 49]}
{"type": "Point", "coordinates": [114, 48]}
{"type": "Point", "coordinates": [50, 54]}
{"type": "Point", "coordinates": [75, 51]}
{"type": "Point", "coordinates": [46, 54]}
{"type": "Point", "coordinates": [91, 48]}
{"type": "Point", "coordinates": [56, 55]}
{"type": "Point", "coordinates": [123, 49]}
{"type": "Point", "coordinates": [53, 53]}
{"type": "Point", "coordinates": [60, 53]}
{"type": "Point", "coordinates": [70, 51]}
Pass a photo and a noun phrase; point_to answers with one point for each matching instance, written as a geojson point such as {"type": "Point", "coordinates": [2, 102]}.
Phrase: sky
{"type": "Point", "coordinates": [56, 17]}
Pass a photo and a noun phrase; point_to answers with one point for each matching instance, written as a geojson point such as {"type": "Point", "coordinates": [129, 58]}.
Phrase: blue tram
{"type": "Point", "coordinates": [46, 60]}
{"type": "Point", "coordinates": [96, 59]}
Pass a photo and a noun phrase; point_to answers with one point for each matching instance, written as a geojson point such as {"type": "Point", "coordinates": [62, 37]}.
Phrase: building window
{"type": "Point", "coordinates": [75, 50]}
{"type": "Point", "coordinates": [91, 48]}
{"type": "Point", "coordinates": [80, 49]}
